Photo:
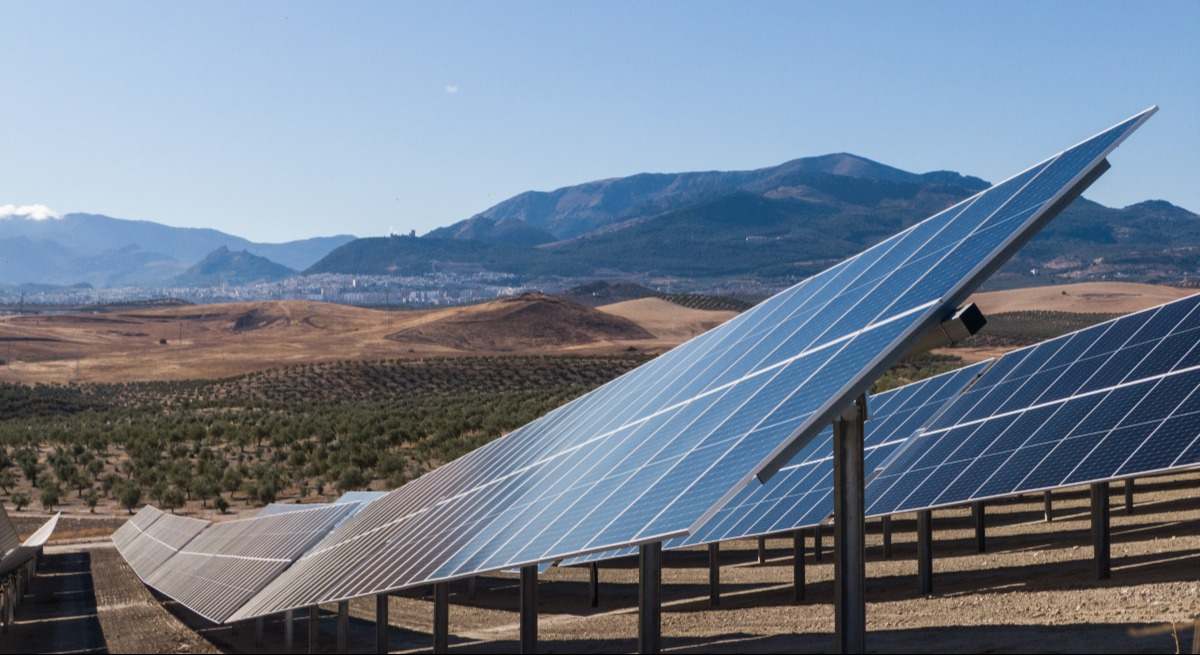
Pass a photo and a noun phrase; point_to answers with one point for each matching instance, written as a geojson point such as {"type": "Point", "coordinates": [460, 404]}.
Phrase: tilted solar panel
{"type": "Point", "coordinates": [9, 539]}
{"type": "Point", "coordinates": [227, 563]}
{"type": "Point", "coordinates": [649, 455]}
{"type": "Point", "coordinates": [1115, 400]}
{"type": "Point", "coordinates": [28, 549]}
{"type": "Point", "coordinates": [283, 508]}
{"type": "Point", "coordinates": [800, 495]}
{"type": "Point", "coordinates": [43, 533]}
{"type": "Point", "coordinates": [152, 537]}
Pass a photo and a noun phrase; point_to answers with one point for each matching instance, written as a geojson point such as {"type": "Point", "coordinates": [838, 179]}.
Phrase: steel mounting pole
{"type": "Point", "coordinates": [925, 552]}
{"type": "Point", "coordinates": [529, 609]}
{"type": "Point", "coordinates": [849, 529]}
{"type": "Point", "coordinates": [1101, 537]}
{"type": "Point", "coordinates": [650, 597]}
{"type": "Point", "coordinates": [714, 574]}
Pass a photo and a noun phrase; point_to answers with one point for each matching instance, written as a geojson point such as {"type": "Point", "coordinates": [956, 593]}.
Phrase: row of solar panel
{"type": "Point", "coordinates": [800, 494]}
{"type": "Point", "coordinates": [214, 568]}
{"type": "Point", "coordinates": [651, 454]}
{"type": "Point", "coordinates": [1118, 399]}
{"type": "Point", "coordinates": [14, 552]}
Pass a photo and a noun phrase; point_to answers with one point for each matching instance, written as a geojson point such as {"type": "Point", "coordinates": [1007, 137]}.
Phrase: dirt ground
{"type": "Point", "coordinates": [214, 341]}
{"type": "Point", "coordinates": [1034, 589]}
{"type": "Point", "coordinates": [1084, 298]}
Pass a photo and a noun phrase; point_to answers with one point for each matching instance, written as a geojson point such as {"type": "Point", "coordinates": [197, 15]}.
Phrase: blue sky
{"type": "Point", "coordinates": [281, 120]}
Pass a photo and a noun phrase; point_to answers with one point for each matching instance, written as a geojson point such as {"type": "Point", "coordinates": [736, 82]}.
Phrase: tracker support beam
{"type": "Point", "coordinates": [885, 526]}
{"type": "Point", "coordinates": [979, 517]}
{"type": "Point", "coordinates": [925, 552]}
{"type": "Point", "coordinates": [849, 529]}
{"type": "Point", "coordinates": [798, 565]}
{"type": "Point", "coordinates": [594, 583]}
{"type": "Point", "coordinates": [381, 623]}
{"type": "Point", "coordinates": [650, 597]}
{"type": "Point", "coordinates": [714, 574]}
{"type": "Point", "coordinates": [529, 609]}
{"type": "Point", "coordinates": [441, 617]}
{"type": "Point", "coordinates": [1101, 536]}
{"type": "Point", "coordinates": [1047, 506]}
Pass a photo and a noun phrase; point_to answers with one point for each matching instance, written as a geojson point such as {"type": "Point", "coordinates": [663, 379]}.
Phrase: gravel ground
{"type": "Point", "coordinates": [1034, 590]}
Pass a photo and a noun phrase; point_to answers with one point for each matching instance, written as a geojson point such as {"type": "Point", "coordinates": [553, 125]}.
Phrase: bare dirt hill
{"type": "Point", "coordinates": [667, 321]}
{"type": "Point", "coordinates": [528, 322]}
{"type": "Point", "coordinates": [214, 341]}
{"type": "Point", "coordinates": [1085, 297]}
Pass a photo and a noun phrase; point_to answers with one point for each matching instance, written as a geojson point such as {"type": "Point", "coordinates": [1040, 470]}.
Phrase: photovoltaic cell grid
{"type": "Point", "coordinates": [648, 455]}
{"type": "Point", "coordinates": [800, 494]}
{"type": "Point", "coordinates": [226, 564]}
{"type": "Point", "coordinates": [152, 537]}
{"type": "Point", "coordinates": [14, 558]}
{"type": "Point", "coordinates": [1115, 400]}
{"type": "Point", "coordinates": [9, 539]}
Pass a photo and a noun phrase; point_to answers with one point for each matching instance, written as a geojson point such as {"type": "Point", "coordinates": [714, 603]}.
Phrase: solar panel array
{"type": "Point", "coordinates": [227, 563]}
{"type": "Point", "coordinates": [9, 539]}
{"type": "Point", "coordinates": [43, 533]}
{"type": "Point", "coordinates": [651, 454]}
{"type": "Point", "coordinates": [1115, 400]}
{"type": "Point", "coordinates": [801, 494]}
{"type": "Point", "coordinates": [14, 558]}
{"type": "Point", "coordinates": [152, 537]}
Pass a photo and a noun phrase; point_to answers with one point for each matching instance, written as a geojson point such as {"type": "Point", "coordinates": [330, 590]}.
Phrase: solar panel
{"type": "Point", "coordinates": [1115, 400]}
{"type": "Point", "coordinates": [800, 495]}
{"type": "Point", "coordinates": [283, 508]}
{"type": "Point", "coordinates": [26, 550]}
{"type": "Point", "coordinates": [43, 533]}
{"type": "Point", "coordinates": [649, 455]}
{"type": "Point", "coordinates": [152, 537]}
{"type": "Point", "coordinates": [9, 539]}
{"type": "Point", "coordinates": [227, 563]}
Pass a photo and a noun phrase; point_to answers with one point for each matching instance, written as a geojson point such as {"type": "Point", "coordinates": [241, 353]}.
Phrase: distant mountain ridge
{"type": "Point", "coordinates": [782, 222]}
{"type": "Point", "coordinates": [536, 217]}
{"type": "Point", "coordinates": [225, 266]}
{"type": "Point", "coordinates": [106, 251]}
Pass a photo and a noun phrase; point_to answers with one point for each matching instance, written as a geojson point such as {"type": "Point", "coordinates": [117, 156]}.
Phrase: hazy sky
{"type": "Point", "coordinates": [283, 120]}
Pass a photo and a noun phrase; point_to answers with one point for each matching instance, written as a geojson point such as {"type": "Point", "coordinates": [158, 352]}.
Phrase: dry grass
{"type": "Point", "coordinates": [1084, 298]}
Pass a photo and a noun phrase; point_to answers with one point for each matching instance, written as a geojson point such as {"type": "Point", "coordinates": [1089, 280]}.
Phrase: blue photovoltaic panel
{"type": "Point", "coordinates": [649, 455]}
{"type": "Point", "coordinates": [800, 494]}
{"type": "Point", "coordinates": [1114, 400]}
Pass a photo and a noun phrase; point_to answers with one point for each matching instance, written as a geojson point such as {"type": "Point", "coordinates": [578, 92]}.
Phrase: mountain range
{"type": "Point", "coordinates": [105, 251]}
{"type": "Point", "coordinates": [778, 223]}
{"type": "Point", "coordinates": [775, 224]}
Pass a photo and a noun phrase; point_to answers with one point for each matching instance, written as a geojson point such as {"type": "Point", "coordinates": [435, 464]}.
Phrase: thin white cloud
{"type": "Point", "coordinates": [452, 89]}
{"type": "Point", "coordinates": [36, 212]}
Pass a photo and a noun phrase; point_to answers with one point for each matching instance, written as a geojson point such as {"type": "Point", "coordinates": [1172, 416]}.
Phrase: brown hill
{"type": "Point", "coordinates": [528, 322]}
{"type": "Point", "coordinates": [214, 341]}
{"type": "Point", "coordinates": [1081, 298]}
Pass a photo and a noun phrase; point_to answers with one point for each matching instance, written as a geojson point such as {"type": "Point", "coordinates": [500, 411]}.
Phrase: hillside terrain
{"type": "Point", "coordinates": [225, 266]}
{"type": "Point", "coordinates": [213, 341]}
{"type": "Point", "coordinates": [775, 224]}
{"type": "Point", "coordinates": [106, 251]}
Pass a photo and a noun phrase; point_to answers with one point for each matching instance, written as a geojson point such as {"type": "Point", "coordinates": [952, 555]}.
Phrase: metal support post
{"type": "Point", "coordinates": [441, 617]}
{"type": "Point", "coordinates": [1101, 538]}
{"type": "Point", "coordinates": [529, 609]}
{"type": "Point", "coordinates": [381, 623]}
{"type": "Point", "coordinates": [650, 598]}
{"type": "Point", "coordinates": [798, 565]}
{"type": "Point", "coordinates": [849, 529]}
{"type": "Point", "coordinates": [978, 514]}
{"type": "Point", "coordinates": [925, 552]}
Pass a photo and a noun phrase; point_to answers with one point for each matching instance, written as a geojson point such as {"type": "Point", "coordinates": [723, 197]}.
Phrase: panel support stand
{"type": "Point", "coordinates": [762, 550]}
{"type": "Point", "coordinates": [314, 629]}
{"type": "Point", "coordinates": [849, 529]}
{"type": "Point", "coordinates": [441, 617]}
{"type": "Point", "coordinates": [381, 623]}
{"type": "Point", "coordinates": [1101, 537]}
{"type": "Point", "coordinates": [650, 597]}
{"type": "Point", "coordinates": [343, 626]}
{"type": "Point", "coordinates": [594, 583]}
{"type": "Point", "coordinates": [925, 552]}
{"type": "Point", "coordinates": [1129, 496]}
{"type": "Point", "coordinates": [885, 526]}
{"type": "Point", "coordinates": [714, 574]}
{"type": "Point", "coordinates": [798, 565]}
{"type": "Point", "coordinates": [979, 516]}
{"type": "Point", "coordinates": [1048, 504]}
{"type": "Point", "coordinates": [529, 609]}
{"type": "Point", "coordinates": [289, 630]}
{"type": "Point", "coordinates": [818, 542]}
{"type": "Point", "coordinates": [258, 633]}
